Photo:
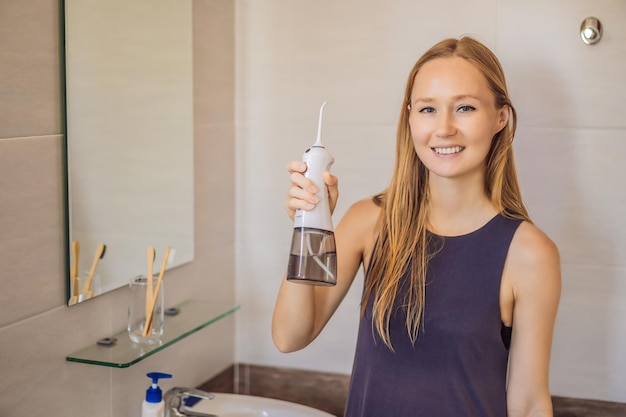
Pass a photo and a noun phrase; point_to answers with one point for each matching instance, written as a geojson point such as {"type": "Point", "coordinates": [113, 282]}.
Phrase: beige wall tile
{"type": "Point", "coordinates": [572, 180]}
{"type": "Point", "coordinates": [30, 64]}
{"type": "Point", "coordinates": [214, 61]}
{"type": "Point", "coordinates": [294, 55]}
{"type": "Point", "coordinates": [36, 378]}
{"type": "Point", "coordinates": [555, 79]}
{"type": "Point", "coordinates": [32, 240]}
{"type": "Point", "coordinates": [590, 334]}
{"type": "Point", "coordinates": [214, 154]}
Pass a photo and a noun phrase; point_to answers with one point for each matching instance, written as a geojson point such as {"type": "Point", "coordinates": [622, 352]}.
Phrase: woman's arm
{"type": "Point", "coordinates": [533, 272]}
{"type": "Point", "coordinates": [301, 311]}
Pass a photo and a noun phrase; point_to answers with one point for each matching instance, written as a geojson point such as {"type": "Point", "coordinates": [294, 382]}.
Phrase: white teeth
{"type": "Point", "coordinates": [448, 151]}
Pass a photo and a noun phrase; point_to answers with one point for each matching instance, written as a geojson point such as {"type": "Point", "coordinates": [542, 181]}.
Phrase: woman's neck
{"type": "Point", "coordinates": [457, 207]}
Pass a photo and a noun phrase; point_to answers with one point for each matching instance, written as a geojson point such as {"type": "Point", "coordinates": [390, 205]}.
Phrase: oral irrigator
{"type": "Point", "coordinates": [313, 258]}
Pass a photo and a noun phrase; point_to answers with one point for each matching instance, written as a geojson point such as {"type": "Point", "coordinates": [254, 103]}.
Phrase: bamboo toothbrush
{"type": "Point", "coordinates": [149, 283]}
{"type": "Point", "coordinates": [74, 272]}
{"type": "Point", "coordinates": [100, 250]}
{"type": "Point", "coordinates": [147, 328]}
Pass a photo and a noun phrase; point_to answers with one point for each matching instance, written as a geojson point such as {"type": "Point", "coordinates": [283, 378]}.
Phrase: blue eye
{"type": "Point", "coordinates": [466, 108]}
{"type": "Point", "coordinates": [427, 110]}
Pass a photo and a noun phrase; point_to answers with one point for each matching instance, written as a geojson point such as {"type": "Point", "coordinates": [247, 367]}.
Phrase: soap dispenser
{"type": "Point", "coordinates": [153, 405]}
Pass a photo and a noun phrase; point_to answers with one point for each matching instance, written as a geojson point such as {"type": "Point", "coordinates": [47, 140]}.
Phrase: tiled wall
{"type": "Point", "coordinates": [37, 330]}
{"type": "Point", "coordinates": [356, 54]}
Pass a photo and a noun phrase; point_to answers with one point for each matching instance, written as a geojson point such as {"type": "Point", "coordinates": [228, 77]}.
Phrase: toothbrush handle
{"type": "Point", "coordinates": [74, 272]}
{"type": "Point", "coordinates": [147, 328]}
{"type": "Point", "coordinates": [149, 280]}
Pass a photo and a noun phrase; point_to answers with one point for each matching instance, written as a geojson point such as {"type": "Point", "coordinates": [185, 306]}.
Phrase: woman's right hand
{"type": "Point", "coordinates": [302, 193]}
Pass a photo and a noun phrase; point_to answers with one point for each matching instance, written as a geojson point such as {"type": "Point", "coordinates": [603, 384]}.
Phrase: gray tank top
{"type": "Point", "coordinates": [458, 365]}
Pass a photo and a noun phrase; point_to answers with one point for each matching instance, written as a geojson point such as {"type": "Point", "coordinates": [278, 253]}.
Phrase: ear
{"type": "Point", "coordinates": [503, 118]}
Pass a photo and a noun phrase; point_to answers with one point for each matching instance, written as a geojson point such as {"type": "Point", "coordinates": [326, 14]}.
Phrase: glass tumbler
{"type": "Point", "coordinates": [139, 307]}
{"type": "Point", "coordinates": [88, 286]}
{"type": "Point", "coordinates": [84, 287]}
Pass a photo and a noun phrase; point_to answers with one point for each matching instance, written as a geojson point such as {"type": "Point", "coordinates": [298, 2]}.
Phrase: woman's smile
{"type": "Point", "coordinates": [449, 150]}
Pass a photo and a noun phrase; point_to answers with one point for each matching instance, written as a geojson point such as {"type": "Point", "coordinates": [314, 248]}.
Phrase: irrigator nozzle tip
{"type": "Point", "coordinates": [318, 141]}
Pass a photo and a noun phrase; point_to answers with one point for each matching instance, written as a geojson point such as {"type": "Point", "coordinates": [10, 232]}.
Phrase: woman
{"type": "Point", "coordinates": [461, 289]}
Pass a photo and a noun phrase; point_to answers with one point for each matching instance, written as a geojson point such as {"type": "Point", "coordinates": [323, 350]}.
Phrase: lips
{"type": "Point", "coordinates": [448, 150]}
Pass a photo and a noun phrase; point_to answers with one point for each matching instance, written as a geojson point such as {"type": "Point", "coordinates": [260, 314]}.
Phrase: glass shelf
{"type": "Point", "coordinates": [194, 315]}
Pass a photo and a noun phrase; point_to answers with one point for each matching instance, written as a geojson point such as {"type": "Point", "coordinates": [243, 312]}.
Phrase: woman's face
{"type": "Point", "coordinates": [453, 118]}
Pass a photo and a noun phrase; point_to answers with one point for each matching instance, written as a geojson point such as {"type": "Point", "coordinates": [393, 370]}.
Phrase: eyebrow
{"type": "Point", "coordinates": [455, 98]}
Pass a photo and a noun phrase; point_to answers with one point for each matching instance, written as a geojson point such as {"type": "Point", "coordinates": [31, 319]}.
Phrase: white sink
{"type": "Point", "coordinates": [238, 405]}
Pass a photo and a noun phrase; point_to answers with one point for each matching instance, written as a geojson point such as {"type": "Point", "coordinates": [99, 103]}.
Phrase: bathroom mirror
{"type": "Point", "coordinates": [129, 116]}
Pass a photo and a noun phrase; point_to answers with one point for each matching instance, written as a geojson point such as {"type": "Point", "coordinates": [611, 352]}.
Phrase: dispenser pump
{"type": "Point", "coordinates": [154, 393]}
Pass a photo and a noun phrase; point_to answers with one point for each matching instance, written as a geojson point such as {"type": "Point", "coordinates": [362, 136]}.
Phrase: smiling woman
{"type": "Point", "coordinates": [456, 274]}
{"type": "Point", "coordinates": [129, 135]}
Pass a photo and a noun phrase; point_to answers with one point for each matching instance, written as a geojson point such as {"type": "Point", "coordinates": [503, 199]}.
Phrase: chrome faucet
{"type": "Point", "coordinates": [174, 400]}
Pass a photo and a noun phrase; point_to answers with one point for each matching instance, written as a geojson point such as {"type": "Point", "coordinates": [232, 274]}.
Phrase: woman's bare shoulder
{"type": "Point", "coordinates": [532, 244]}
{"type": "Point", "coordinates": [534, 257]}
{"type": "Point", "coordinates": [364, 211]}
{"type": "Point", "coordinates": [358, 225]}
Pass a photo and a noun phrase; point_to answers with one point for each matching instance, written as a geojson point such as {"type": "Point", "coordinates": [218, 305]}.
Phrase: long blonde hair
{"type": "Point", "coordinates": [403, 239]}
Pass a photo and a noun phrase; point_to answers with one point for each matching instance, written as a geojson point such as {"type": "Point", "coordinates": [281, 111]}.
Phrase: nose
{"type": "Point", "coordinates": [446, 126]}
